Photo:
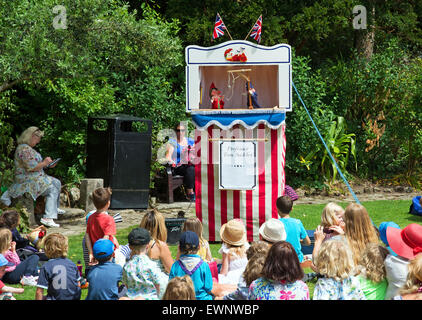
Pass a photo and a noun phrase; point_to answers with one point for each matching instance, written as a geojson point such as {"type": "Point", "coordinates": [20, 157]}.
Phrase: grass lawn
{"type": "Point", "coordinates": [379, 211]}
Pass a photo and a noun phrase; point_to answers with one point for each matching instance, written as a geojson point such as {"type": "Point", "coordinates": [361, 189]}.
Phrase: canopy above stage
{"type": "Point", "coordinates": [250, 118]}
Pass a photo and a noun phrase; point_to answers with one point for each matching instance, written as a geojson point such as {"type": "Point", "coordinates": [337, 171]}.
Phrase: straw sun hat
{"type": "Point", "coordinates": [273, 231]}
{"type": "Point", "coordinates": [233, 233]}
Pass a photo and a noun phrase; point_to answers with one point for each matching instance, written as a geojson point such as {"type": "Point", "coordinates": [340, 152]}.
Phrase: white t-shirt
{"type": "Point", "coordinates": [396, 268]}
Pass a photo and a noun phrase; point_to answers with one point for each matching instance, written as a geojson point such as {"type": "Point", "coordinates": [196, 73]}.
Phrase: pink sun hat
{"type": "Point", "coordinates": [406, 243]}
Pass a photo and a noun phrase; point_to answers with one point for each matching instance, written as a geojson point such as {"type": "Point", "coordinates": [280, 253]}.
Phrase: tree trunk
{"type": "Point", "coordinates": [365, 38]}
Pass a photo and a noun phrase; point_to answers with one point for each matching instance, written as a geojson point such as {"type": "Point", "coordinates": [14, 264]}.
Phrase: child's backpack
{"type": "Point", "coordinates": [415, 207]}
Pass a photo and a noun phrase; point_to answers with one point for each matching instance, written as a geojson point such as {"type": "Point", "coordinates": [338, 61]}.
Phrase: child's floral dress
{"type": "Point", "coordinates": [264, 289]}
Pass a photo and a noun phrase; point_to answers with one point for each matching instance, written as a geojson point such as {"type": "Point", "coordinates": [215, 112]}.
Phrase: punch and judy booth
{"type": "Point", "coordinates": [238, 94]}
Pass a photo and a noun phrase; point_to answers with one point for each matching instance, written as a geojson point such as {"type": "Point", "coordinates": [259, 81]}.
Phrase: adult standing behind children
{"type": "Point", "coordinates": [104, 277]}
{"type": "Point", "coordinates": [295, 231]}
{"type": "Point", "coordinates": [100, 225]}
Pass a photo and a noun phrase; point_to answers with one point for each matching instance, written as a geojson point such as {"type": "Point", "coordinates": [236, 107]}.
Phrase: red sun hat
{"type": "Point", "coordinates": [406, 243]}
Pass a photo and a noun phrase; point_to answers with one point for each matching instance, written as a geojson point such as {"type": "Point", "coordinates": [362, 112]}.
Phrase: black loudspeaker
{"type": "Point", "coordinates": [119, 152]}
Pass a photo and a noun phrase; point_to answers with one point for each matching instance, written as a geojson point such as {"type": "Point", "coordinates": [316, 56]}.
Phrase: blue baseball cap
{"type": "Point", "coordinates": [4, 262]}
{"type": "Point", "coordinates": [103, 248]}
{"type": "Point", "coordinates": [189, 239]}
{"type": "Point", "coordinates": [383, 230]}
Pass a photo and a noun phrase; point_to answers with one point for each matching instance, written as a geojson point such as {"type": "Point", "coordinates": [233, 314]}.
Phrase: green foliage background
{"type": "Point", "coordinates": [128, 57]}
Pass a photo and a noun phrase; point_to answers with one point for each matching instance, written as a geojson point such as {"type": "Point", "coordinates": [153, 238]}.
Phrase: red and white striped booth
{"type": "Point", "coordinates": [240, 150]}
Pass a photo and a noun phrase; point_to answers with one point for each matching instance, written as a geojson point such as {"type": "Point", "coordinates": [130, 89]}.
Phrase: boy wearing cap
{"type": "Point", "coordinates": [104, 277]}
{"type": "Point", "coordinates": [191, 263]}
{"type": "Point", "coordinates": [6, 293]}
{"type": "Point", "coordinates": [142, 277]}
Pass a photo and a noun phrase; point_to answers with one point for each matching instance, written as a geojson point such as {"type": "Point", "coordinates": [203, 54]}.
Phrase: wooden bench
{"type": "Point", "coordinates": [173, 182]}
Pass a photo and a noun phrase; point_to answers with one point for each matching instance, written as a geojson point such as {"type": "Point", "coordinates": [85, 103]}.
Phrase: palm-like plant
{"type": "Point", "coordinates": [339, 143]}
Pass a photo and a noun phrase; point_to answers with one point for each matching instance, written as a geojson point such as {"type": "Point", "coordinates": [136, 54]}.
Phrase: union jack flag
{"type": "Point", "coordinates": [219, 28]}
{"type": "Point", "coordinates": [256, 30]}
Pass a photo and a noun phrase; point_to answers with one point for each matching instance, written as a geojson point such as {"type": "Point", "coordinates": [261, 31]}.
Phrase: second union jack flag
{"type": "Point", "coordinates": [219, 28]}
{"type": "Point", "coordinates": [256, 30]}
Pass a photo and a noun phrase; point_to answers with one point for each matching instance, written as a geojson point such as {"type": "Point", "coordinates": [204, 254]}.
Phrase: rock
{"type": "Point", "coordinates": [399, 189]}
{"type": "Point", "coordinates": [74, 195]}
{"type": "Point", "coordinates": [409, 190]}
{"type": "Point", "coordinates": [367, 190]}
{"type": "Point", "coordinates": [87, 187]}
{"type": "Point", "coordinates": [63, 200]}
{"type": "Point", "coordinates": [377, 190]}
{"type": "Point", "coordinates": [388, 190]}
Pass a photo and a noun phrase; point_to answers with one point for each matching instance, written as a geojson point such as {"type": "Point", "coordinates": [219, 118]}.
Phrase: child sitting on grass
{"type": "Point", "coordinates": [191, 263]}
{"type": "Point", "coordinates": [335, 263]}
{"type": "Point", "coordinates": [104, 277]}
{"type": "Point", "coordinates": [180, 288]}
{"type": "Point", "coordinates": [296, 233]}
{"type": "Point", "coordinates": [59, 276]}
{"type": "Point", "coordinates": [371, 272]}
{"type": "Point", "coordinates": [6, 292]}
{"type": "Point", "coordinates": [141, 276]}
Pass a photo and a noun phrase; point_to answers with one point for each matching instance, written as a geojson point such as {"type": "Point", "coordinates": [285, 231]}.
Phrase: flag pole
{"type": "Point", "coordinates": [225, 26]}
{"type": "Point", "coordinates": [251, 28]}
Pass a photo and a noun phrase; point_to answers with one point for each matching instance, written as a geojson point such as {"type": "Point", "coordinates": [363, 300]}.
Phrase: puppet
{"type": "Point", "coordinates": [253, 94]}
{"type": "Point", "coordinates": [217, 100]}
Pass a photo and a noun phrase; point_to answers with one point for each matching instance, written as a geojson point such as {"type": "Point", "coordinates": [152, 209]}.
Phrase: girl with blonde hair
{"type": "Point", "coordinates": [335, 263]}
{"type": "Point", "coordinates": [332, 220]}
{"type": "Point", "coordinates": [24, 272]}
{"type": "Point", "coordinates": [412, 289]}
{"type": "Point", "coordinates": [195, 225]}
{"type": "Point", "coordinates": [359, 230]}
{"type": "Point", "coordinates": [180, 288]}
{"type": "Point", "coordinates": [158, 250]}
{"type": "Point", "coordinates": [371, 272]}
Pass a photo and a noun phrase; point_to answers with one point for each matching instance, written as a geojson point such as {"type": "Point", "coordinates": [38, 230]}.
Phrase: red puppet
{"type": "Point", "coordinates": [217, 100]}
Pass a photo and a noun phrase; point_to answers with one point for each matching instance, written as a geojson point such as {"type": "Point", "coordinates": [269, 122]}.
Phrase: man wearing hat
{"type": "Point", "coordinates": [5, 291]}
{"type": "Point", "coordinates": [104, 277]}
{"type": "Point", "coordinates": [191, 263]}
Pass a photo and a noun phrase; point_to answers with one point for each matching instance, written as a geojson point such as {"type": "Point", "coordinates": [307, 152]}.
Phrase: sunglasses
{"type": "Point", "coordinates": [180, 130]}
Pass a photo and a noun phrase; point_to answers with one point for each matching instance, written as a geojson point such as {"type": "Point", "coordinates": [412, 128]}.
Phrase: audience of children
{"type": "Point", "coordinates": [281, 276]}
{"type": "Point", "coordinates": [295, 231]}
{"type": "Point", "coordinates": [233, 251]}
{"type": "Point", "coordinates": [180, 288]}
{"type": "Point", "coordinates": [350, 261]}
{"type": "Point", "coordinates": [59, 275]}
{"type": "Point", "coordinates": [191, 264]}
{"type": "Point", "coordinates": [142, 277]}
{"type": "Point", "coordinates": [104, 277]}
